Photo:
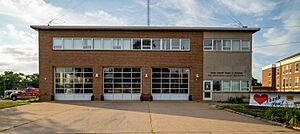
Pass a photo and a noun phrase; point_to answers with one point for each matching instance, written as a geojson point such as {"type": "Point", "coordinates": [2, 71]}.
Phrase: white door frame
{"type": "Point", "coordinates": [210, 91]}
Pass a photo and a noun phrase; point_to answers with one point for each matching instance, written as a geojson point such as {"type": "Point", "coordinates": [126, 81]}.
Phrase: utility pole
{"type": "Point", "coordinates": [148, 12]}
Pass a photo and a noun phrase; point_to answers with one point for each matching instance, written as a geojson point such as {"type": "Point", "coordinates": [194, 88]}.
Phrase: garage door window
{"type": "Point", "coordinates": [73, 80]}
{"type": "Point", "coordinates": [170, 80]}
{"type": "Point", "coordinates": [122, 80]}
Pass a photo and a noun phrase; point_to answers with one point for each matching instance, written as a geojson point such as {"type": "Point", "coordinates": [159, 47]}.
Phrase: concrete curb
{"type": "Point", "coordinates": [265, 120]}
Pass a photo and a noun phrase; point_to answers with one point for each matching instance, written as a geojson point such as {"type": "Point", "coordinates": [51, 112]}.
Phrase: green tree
{"type": "Point", "coordinates": [255, 82]}
{"type": "Point", "coordinates": [31, 80]}
{"type": "Point", "coordinates": [10, 80]}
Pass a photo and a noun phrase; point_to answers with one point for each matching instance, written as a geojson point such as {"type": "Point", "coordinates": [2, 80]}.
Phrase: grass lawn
{"type": "Point", "coordinates": [8, 104]}
{"type": "Point", "coordinates": [288, 116]}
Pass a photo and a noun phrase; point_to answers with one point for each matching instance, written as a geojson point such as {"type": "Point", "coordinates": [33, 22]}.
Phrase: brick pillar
{"type": "Point", "coordinates": [196, 90]}
{"type": "Point", "coordinates": [146, 83]}
{"type": "Point", "coordinates": [46, 82]}
{"type": "Point", "coordinates": [97, 82]}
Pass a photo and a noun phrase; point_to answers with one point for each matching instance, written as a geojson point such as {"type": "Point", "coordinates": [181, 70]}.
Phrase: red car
{"type": "Point", "coordinates": [25, 94]}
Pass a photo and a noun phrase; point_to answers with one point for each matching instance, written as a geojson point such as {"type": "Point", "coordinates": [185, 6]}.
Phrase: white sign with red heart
{"type": "Point", "coordinates": [274, 99]}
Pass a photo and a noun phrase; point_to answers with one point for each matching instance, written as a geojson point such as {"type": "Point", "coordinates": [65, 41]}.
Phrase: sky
{"type": "Point", "coordinates": [279, 21]}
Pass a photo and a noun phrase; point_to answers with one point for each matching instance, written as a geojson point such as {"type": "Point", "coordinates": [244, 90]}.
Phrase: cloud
{"type": "Point", "coordinates": [249, 7]}
{"type": "Point", "coordinates": [21, 55]}
{"type": "Point", "coordinates": [183, 12]}
{"type": "Point", "coordinates": [280, 34]}
{"type": "Point", "coordinates": [18, 43]}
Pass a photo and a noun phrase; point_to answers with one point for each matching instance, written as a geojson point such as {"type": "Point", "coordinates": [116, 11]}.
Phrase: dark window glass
{"type": "Point", "coordinates": [136, 44]}
{"type": "Point", "coordinates": [217, 85]}
{"type": "Point", "coordinates": [146, 43]}
{"type": "Point", "coordinates": [88, 70]}
{"type": "Point", "coordinates": [156, 91]}
{"type": "Point", "coordinates": [60, 90]}
{"type": "Point", "coordinates": [88, 90]}
{"type": "Point", "coordinates": [156, 70]}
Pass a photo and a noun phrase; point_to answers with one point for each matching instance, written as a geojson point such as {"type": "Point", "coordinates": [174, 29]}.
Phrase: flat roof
{"type": "Point", "coordinates": [294, 55]}
{"type": "Point", "coordinates": [169, 28]}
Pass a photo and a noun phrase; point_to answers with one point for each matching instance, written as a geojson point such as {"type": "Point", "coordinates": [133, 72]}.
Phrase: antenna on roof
{"type": "Point", "coordinates": [148, 12]}
{"type": "Point", "coordinates": [53, 21]}
{"type": "Point", "coordinates": [238, 22]}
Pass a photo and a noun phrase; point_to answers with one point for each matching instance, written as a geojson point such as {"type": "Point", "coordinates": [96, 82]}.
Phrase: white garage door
{"type": "Point", "coordinates": [73, 83]}
{"type": "Point", "coordinates": [170, 83]}
{"type": "Point", "coordinates": [122, 83]}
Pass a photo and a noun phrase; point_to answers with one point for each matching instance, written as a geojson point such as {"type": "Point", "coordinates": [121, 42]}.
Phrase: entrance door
{"type": "Point", "coordinates": [207, 90]}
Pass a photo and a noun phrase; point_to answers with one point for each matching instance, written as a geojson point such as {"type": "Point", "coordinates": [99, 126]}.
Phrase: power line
{"type": "Point", "coordinates": [281, 44]}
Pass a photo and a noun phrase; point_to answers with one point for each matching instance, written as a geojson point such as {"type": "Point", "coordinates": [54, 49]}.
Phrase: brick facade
{"type": "Point", "coordinates": [97, 59]}
{"type": "Point", "coordinates": [279, 74]}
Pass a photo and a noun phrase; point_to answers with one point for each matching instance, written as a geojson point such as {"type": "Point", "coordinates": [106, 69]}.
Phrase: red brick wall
{"type": "Point", "coordinates": [48, 59]}
{"type": "Point", "coordinates": [289, 75]}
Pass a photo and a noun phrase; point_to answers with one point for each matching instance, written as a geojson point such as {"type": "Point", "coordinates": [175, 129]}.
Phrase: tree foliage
{"type": "Point", "coordinates": [255, 82]}
{"type": "Point", "coordinates": [10, 80]}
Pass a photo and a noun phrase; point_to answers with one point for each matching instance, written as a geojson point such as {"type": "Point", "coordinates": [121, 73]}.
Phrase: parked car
{"type": "Point", "coordinates": [25, 94]}
{"type": "Point", "coordinates": [8, 92]}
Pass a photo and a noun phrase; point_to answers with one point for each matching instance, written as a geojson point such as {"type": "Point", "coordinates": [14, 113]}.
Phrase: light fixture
{"type": "Point", "coordinates": [45, 78]}
{"type": "Point", "coordinates": [197, 76]}
{"type": "Point", "coordinates": [96, 75]}
{"type": "Point", "coordinates": [146, 75]}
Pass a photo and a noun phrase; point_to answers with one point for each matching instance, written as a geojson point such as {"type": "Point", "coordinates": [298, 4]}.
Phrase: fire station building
{"type": "Point", "coordinates": [144, 63]}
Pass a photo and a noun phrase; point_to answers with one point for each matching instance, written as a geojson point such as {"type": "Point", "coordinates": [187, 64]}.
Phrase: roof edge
{"type": "Point", "coordinates": [81, 27]}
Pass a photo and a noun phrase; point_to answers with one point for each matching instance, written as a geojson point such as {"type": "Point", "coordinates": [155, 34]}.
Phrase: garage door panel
{"type": "Point", "coordinates": [73, 96]}
{"type": "Point", "coordinates": [170, 83]}
{"type": "Point", "coordinates": [73, 83]}
{"type": "Point", "coordinates": [122, 83]}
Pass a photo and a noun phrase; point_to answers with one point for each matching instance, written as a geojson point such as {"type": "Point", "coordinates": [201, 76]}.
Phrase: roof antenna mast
{"type": "Point", "coordinates": [148, 12]}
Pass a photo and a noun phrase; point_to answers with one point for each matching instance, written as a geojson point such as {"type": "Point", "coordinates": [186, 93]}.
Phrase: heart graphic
{"type": "Point", "coordinates": [260, 98]}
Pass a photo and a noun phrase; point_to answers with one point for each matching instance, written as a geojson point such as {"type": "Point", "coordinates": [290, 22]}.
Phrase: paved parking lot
{"type": "Point", "coordinates": [129, 117]}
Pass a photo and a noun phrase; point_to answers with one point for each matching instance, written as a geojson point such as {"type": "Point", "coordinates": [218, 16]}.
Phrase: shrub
{"type": "Point", "coordinates": [236, 100]}
{"type": "Point", "coordinates": [288, 116]}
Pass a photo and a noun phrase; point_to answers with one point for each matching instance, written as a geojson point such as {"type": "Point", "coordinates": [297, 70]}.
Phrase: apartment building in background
{"type": "Point", "coordinates": [284, 75]}
{"type": "Point", "coordinates": [144, 63]}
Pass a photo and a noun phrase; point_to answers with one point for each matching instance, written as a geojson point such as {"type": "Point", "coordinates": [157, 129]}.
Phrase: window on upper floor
{"type": "Point", "coordinates": [146, 44]}
{"type": "Point", "coordinates": [286, 69]}
{"type": "Point", "coordinates": [175, 44]}
{"type": "Point", "coordinates": [137, 43]}
{"type": "Point", "coordinates": [185, 44]}
{"type": "Point", "coordinates": [166, 44]}
{"type": "Point", "coordinates": [296, 67]}
{"type": "Point", "coordinates": [277, 72]}
{"type": "Point", "coordinates": [155, 44]}
{"type": "Point", "coordinates": [207, 45]}
{"type": "Point", "coordinates": [245, 45]}
{"type": "Point", "coordinates": [117, 44]}
{"type": "Point", "coordinates": [98, 44]}
{"type": "Point", "coordinates": [57, 43]}
{"type": "Point", "coordinates": [236, 45]}
{"type": "Point", "coordinates": [217, 45]}
{"type": "Point", "coordinates": [290, 68]}
{"type": "Point", "coordinates": [107, 44]}
{"type": "Point", "coordinates": [68, 44]}
{"type": "Point", "coordinates": [120, 44]}
{"type": "Point", "coordinates": [226, 45]}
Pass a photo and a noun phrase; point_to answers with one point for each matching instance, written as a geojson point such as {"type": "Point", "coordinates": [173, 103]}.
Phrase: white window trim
{"type": "Point", "coordinates": [162, 45]}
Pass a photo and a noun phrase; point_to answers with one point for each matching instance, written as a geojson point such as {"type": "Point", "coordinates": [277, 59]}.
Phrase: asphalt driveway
{"type": "Point", "coordinates": [129, 117]}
